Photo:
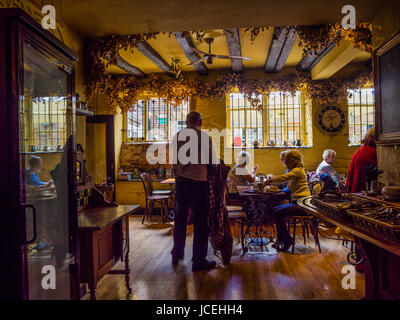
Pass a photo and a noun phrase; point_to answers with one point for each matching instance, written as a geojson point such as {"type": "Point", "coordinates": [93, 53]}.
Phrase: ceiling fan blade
{"type": "Point", "coordinates": [198, 51]}
{"type": "Point", "coordinates": [219, 56]}
{"type": "Point", "coordinates": [197, 61]}
{"type": "Point", "coordinates": [232, 57]}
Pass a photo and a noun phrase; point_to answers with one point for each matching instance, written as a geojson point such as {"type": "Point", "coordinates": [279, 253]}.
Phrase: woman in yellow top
{"type": "Point", "coordinates": [297, 184]}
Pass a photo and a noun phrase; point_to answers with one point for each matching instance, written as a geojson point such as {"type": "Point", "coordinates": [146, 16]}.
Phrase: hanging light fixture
{"type": "Point", "coordinates": [175, 69]}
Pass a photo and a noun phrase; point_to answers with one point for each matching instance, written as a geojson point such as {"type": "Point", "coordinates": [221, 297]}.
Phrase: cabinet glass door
{"type": "Point", "coordinates": [46, 131]}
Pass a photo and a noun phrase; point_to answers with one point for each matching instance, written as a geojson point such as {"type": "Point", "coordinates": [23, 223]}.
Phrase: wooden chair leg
{"type": "Point", "coordinates": [242, 238]}
{"type": "Point", "coordinates": [237, 231]}
{"type": "Point", "coordinates": [315, 231]}
{"type": "Point", "coordinates": [145, 210]}
{"type": "Point", "coordinates": [168, 204]}
{"type": "Point", "coordinates": [303, 227]}
{"type": "Point", "coordinates": [166, 210]}
{"type": "Point", "coordinates": [162, 211]}
{"type": "Point", "coordinates": [294, 233]}
{"type": "Point", "coordinates": [151, 209]}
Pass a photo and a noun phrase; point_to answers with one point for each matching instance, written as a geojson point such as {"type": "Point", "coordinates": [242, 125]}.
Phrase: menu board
{"type": "Point", "coordinates": [389, 78]}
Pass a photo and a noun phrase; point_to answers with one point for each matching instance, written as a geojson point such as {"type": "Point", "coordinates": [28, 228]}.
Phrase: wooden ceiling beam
{"type": "Point", "coordinates": [148, 51]}
{"type": "Point", "coordinates": [311, 59]}
{"type": "Point", "coordinates": [282, 42]}
{"type": "Point", "coordinates": [233, 39]}
{"type": "Point", "coordinates": [186, 43]}
{"type": "Point", "coordinates": [335, 60]}
{"type": "Point", "coordinates": [128, 68]}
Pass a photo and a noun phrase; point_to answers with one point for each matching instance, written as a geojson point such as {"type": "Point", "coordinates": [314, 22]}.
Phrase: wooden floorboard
{"type": "Point", "coordinates": [268, 275]}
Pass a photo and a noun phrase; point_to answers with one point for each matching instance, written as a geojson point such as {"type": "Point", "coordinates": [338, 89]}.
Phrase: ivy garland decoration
{"type": "Point", "coordinates": [316, 37]}
{"type": "Point", "coordinates": [123, 91]}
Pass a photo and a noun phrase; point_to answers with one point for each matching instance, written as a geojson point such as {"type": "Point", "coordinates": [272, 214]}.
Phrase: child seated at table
{"type": "Point", "coordinates": [32, 173]}
{"type": "Point", "coordinates": [297, 184]}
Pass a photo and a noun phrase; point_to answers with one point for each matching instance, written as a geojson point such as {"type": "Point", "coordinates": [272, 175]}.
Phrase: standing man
{"type": "Point", "coordinates": [192, 153]}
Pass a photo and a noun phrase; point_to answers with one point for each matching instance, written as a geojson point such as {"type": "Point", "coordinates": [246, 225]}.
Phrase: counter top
{"type": "Point", "coordinates": [139, 180]}
{"type": "Point", "coordinates": [378, 240]}
{"type": "Point", "coordinates": [101, 217]}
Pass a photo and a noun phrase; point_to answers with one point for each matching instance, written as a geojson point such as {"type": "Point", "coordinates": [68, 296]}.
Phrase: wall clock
{"type": "Point", "coordinates": [331, 119]}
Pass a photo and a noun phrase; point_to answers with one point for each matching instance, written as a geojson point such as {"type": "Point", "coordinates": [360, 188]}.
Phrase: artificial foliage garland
{"type": "Point", "coordinates": [317, 37]}
{"type": "Point", "coordinates": [123, 91]}
{"type": "Point", "coordinates": [255, 32]}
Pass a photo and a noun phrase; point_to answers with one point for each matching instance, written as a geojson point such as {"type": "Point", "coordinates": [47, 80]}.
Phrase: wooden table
{"type": "Point", "coordinates": [381, 255]}
{"type": "Point", "coordinates": [102, 232]}
{"type": "Point", "coordinates": [168, 181]}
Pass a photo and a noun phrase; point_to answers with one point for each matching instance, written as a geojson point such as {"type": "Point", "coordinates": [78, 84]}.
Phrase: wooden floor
{"type": "Point", "coordinates": [306, 274]}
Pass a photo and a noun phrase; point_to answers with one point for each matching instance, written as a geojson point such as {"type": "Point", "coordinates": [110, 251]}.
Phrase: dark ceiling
{"type": "Point", "coordinates": [105, 17]}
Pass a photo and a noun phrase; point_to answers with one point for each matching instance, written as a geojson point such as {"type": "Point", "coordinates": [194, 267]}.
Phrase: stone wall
{"type": "Point", "coordinates": [133, 156]}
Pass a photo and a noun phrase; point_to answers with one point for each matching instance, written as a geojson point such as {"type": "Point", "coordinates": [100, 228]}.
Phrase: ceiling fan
{"type": "Point", "coordinates": [209, 57]}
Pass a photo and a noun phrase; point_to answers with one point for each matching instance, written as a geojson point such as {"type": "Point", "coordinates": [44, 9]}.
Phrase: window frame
{"type": "Point", "coordinates": [305, 127]}
{"type": "Point", "coordinates": [245, 110]}
{"type": "Point", "coordinates": [39, 129]}
{"type": "Point", "coordinates": [360, 106]}
{"type": "Point", "coordinates": [146, 101]}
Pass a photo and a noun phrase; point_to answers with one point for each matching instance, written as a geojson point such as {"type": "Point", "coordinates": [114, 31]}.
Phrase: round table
{"type": "Point", "coordinates": [259, 216]}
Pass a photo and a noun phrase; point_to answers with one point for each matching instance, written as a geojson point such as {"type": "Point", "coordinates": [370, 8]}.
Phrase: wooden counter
{"type": "Point", "coordinates": [381, 256]}
{"type": "Point", "coordinates": [102, 234]}
{"type": "Point", "coordinates": [102, 217]}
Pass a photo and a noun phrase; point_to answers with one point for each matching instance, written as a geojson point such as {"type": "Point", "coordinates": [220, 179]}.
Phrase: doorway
{"type": "Point", "coordinates": [100, 148]}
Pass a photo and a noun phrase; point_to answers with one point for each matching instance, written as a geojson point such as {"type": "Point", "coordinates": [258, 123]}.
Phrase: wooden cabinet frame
{"type": "Point", "coordinates": [383, 138]}
{"type": "Point", "coordinates": [15, 28]}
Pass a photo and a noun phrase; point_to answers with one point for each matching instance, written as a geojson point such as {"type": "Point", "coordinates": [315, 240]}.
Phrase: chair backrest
{"type": "Point", "coordinates": [311, 176]}
{"type": "Point", "coordinates": [147, 184]}
{"type": "Point", "coordinates": [226, 193]}
{"type": "Point", "coordinates": [316, 187]}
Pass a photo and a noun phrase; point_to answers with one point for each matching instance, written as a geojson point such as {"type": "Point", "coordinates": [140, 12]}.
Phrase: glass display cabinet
{"type": "Point", "coordinates": [37, 153]}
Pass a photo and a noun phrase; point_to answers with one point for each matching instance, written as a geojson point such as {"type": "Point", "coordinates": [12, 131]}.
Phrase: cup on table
{"type": "Point", "coordinates": [258, 187]}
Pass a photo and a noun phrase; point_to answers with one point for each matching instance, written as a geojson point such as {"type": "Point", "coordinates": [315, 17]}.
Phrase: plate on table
{"type": "Point", "coordinates": [264, 191]}
{"type": "Point", "coordinates": [251, 191]}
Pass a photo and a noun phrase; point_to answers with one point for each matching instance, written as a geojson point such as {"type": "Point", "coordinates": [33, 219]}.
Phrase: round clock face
{"type": "Point", "coordinates": [331, 119]}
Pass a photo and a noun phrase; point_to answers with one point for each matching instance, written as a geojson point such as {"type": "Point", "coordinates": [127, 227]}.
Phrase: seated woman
{"type": "Point", "coordinates": [297, 184]}
{"type": "Point", "coordinates": [360, 161]}
{"type": "Point", "coordinates": [32, 173]}
{"type": "Point", "coordinates": [284, 186]}
{"type": "Point", "coordinates": [240, 174]}
{"type": "Point", "coordinates": [326, 172]}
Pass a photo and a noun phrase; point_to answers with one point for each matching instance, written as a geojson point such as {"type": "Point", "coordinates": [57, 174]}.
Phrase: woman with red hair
{"type": "Point", "coordinates": [361, 160]}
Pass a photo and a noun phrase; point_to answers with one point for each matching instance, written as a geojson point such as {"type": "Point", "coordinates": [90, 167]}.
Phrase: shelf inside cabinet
{"type": "Point", "coordinates": [83, 112]}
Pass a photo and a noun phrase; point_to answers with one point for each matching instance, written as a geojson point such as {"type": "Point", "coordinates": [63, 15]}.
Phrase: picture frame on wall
{"type": "Point", "coordinates": [387, 91]}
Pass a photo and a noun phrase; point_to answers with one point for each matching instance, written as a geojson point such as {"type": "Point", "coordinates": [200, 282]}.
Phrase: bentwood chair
{"type": "Point", "coordinates": [236, 215]}
{"type": "Point", "coordinates": [153, 198]}
{"type": "Point", "coordinates": [307, 222]}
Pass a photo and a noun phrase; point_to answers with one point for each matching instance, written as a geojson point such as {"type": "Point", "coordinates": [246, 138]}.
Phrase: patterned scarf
{"type": "Point", "coordinates": [216, 214]}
